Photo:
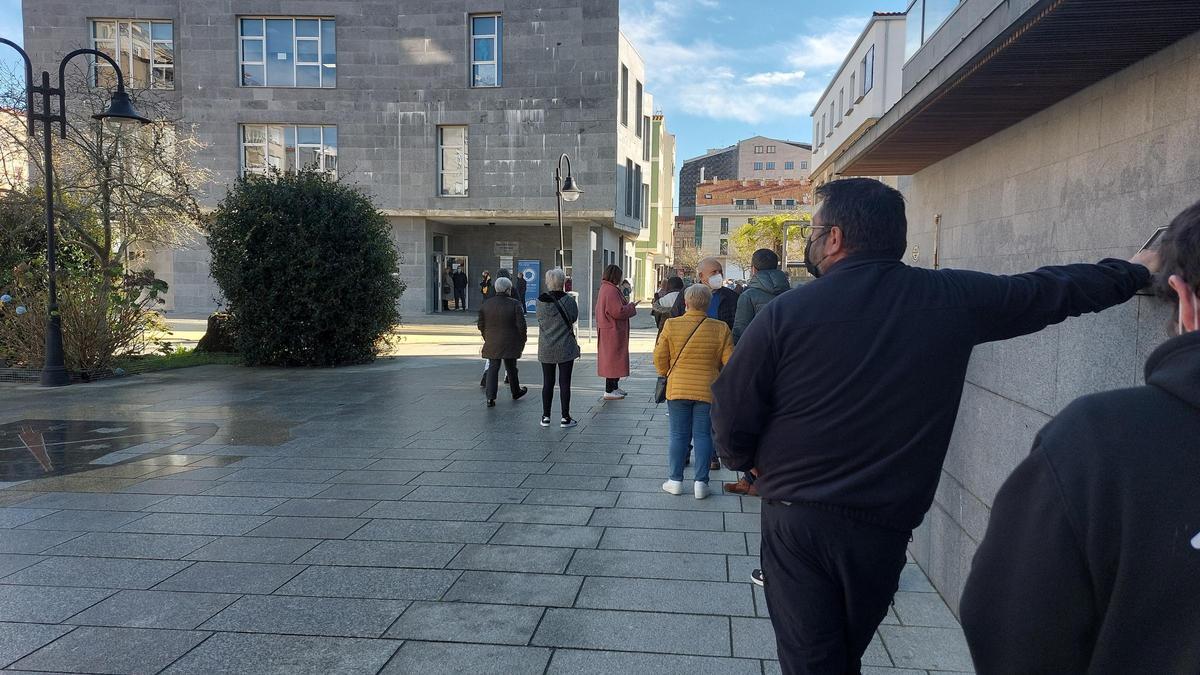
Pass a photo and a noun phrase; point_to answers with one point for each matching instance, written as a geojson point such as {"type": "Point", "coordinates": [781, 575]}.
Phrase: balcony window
{"type": "Point", "coordinates": [485, 50]}
{"type": "Point", "coordinates": [924, 17]}
{"type": "Point", "coordinates": [745, 204]}
{"type": "Point", "coordinates": [145, 50]}
{"type": "Point", "coordinates": [453, 162]}
{"type": "Point", "coordinates": [292, 52]}
{"type": "Point", "coordinates": [287, 148]}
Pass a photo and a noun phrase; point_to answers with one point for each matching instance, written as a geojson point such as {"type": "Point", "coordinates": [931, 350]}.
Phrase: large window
{"type": "Point", "coordinates": [868, 70]}
{"type": "Point", "coordinates": [625, 95]}
{"type": "Point", "coordinates": [758, 166]}
{"type": "Point", "coordinates": [789, 166]}
{"type": "Point", "coordinates": [841, 104]}
{"type": "Point", "coordinates": [292, 52]}
{"type": "Point", "coordinates": [645, 205]}
{"type": "Point", "coordinates": [287, 148]}
{"type": "Point", "coordinates": [628, 188]}
{"type": "Point", "coordinates": [145, 50]}
{"type": "Point", "coordinates": [854, 97]}
{"type": "Point", "coordinates": [486, 68]}
{"type": "Point", "coordinates": [638, 106]}
{"type": "Point", "coordinates": [452, 161]}
{"type": "Point", "coordinates": [770, 149]}
{"type": "Point", "coordinates": [637, 192]}
{"type": "Point", "coordinates": [724, 226]}
{"type": "Point", "coordinates": [770, 166]}
{"type": "Point", "coordinates": [923, 19]}
{"type": "Point", "coordinates": [646, 138]}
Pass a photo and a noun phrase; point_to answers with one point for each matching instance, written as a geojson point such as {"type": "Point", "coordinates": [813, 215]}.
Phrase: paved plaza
{"type": "Point", "coordinates": [378, 519]}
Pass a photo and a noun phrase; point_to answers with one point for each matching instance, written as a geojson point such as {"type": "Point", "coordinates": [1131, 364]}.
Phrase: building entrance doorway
{"type": "Point", "coordinates": [457, 300]}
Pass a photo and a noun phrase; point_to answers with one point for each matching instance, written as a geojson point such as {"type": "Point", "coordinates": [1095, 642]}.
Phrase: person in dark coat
{"type": "Point", "coordinates": [502, 323]}
{"type": "Point", "coordinates": [767, 282]}
{"type": "Point", "coordinates": [459, 279]}
{"type": "Point", "coordinates": [1091, 560]}
{"type": "Point", "coordinates": [485, 285]}
{"type": "Point", "coordinates": [558, 347]}
{"type": "Point", "coordinates": [724, 302]}
{"type": "Point", "coordinates": [843, 394]}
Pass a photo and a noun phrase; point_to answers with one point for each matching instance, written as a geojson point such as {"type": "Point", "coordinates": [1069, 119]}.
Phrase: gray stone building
{"type": "Point", "coordinates": [450, 113]}
{"type": "Point", "coordinates": [1035, 132]}
{"type": "Point", "coordinates": [755, 158]}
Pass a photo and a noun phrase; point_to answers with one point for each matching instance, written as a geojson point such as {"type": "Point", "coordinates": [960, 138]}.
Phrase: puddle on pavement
{"type": "Point", "coordinates": [31, 449]}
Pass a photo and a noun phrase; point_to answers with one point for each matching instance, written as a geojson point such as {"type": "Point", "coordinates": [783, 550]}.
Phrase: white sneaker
{"type": "Point", "coordinates": [614, 395]}
{"type": "Point", "coordinates": [568, 422]}
{"type": "Point", "coordinates": [674, 487]}
{"type": "Point", "coordinates": [621, 391]}
{"type": "Point", "coordinates": [701, 490]}
{"type": "Point", "coordinates": [545, 421]}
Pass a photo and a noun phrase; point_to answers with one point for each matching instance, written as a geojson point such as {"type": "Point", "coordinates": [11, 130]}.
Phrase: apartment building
{"type": "Point", "coordinates": [722, 206]}
{"type": "Point", "coordinates": [1033, 132]}
{"type": "Point", "coordinates": [653, 250]}
{"type": "Point", "coordinates": [866, 86]}
{"type": "Point", "coordinates": [756, 158]}
{"type": "Point", "coordinates": [451, 115]}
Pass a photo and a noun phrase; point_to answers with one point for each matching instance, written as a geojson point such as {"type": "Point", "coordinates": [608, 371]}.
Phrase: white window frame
{"type": "Point", "coordinates": [115, 44]}
{"type": "Point", "coordinates": [868, 71]}
{"type": "Point", "coordinates": [497, 58]}
{"type": "Point", "coordinates": [789, 165]}
{"type": "Point", "coordinates": [319, 147]}
{"type": "Point", "coordinates": [803, 164]}
{"type": "Point", "coordinates": [758, 166]}
{"type": "Point", "coordinates": [724, 226]}
{"type": "Point", "coordinates": [758, 149]}
{"type": "Point", "coordinates": [442, 172]}
{"type": "Point", "coordinates": [296, 62]}
{"type": "Point", "coordinates": [770, 149]}
{"type": "Point", "coordinates": [770, 166]}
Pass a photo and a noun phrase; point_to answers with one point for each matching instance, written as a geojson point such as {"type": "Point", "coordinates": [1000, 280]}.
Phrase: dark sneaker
{"type": "Point", "coordinates": [545, 420]}
{"type": "Point", "coordinates": [757, 577]}
{"type": "Point", "coordinates": [519, 394]}
{"type": "Point", "coordinates": [491, 403]}
{"type": "Point", "coordinates": [567, 423]}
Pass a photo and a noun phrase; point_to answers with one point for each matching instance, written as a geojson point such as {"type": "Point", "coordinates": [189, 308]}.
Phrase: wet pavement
{"type": "Point", "coordinates": [379, 519]}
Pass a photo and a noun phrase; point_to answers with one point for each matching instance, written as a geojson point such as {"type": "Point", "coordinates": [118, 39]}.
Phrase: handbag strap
{"type": "Point", "coordinates": [685, 344]}
{"type": "Point", "coordinates": [563, 313]}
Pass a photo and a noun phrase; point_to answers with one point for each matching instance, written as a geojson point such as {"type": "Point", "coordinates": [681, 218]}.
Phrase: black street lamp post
{"type": "Point", "coordinates": [565, 190]}
{"type": "Point", "coordinates": [120, 109]}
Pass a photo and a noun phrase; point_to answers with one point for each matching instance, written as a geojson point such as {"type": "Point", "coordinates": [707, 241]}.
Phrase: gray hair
{"type": "Point", "coordinates": [503, 284]}
{"type": "Point", "coordinates": [698, 297]}
{"type": "Point", "coordinates": [556, 279]}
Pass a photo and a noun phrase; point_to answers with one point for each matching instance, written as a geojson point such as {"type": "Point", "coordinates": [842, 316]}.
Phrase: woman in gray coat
{"type": "Point", "coordinates": [558, 348]}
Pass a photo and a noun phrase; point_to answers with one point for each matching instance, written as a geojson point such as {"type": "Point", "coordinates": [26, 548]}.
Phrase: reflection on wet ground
{"type": "Point", "coordinates": [38, 448]}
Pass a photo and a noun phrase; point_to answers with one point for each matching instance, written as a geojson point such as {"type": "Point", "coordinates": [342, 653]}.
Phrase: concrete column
{"type": "Point", "coordinates": [582, 271]}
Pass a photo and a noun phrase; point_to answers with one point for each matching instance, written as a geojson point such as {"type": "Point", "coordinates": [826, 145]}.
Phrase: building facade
{"type": "Point", "coordinates": [722, 206]}
{"type": "Point", "coordinates": [451, 115]}
{"type": "Point", "coordinates": [654, 246]}
{"type": "Point", "coordinates": [1032, 133]}
{"type": "Point", "coordinates": [866, 86]}
{"type": "Point", "coordinates": [756, 158]}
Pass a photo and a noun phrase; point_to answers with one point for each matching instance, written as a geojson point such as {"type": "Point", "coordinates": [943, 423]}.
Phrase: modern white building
{"type": "Point", "coordinates": [866, 86]}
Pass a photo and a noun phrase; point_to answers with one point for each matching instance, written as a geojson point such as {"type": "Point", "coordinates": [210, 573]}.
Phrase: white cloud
{"type": "Point", "coordinates": [830, 46]}
{"type": "Point", "coordinates": [773, 79]}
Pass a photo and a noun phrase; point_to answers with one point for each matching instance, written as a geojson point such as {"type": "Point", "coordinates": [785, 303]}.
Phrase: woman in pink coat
{"type": "Point", "coordinates": [612, 328]}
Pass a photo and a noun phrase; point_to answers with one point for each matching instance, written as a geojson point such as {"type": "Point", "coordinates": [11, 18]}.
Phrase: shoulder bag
{"type": "Point", "coordinates": [660, 389]}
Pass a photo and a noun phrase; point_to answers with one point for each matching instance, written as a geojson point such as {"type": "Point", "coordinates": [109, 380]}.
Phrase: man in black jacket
{"type": "Point", "coordinates": [502, 323]}
{"type": "Point", "coordinates": [459, 278]}
{"type": "Point", "coordinates": [843, 394]}
{"type": "Point", "coordinates": [724, 302]}
{"type": "Point", "coordinates": [1091, 562]}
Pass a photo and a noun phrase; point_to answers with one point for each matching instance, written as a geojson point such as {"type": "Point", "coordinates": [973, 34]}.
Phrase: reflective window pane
{"type": "Point", "coordinates": [308, 76]}
{"type": "Point", "coordinates": [484, 76]}
{"type": "Point", "coordinates": [308, 135]}
{"type": "Point", "coordinates": [162, 31]}
{"type": "Point", "coordinates": [309, 157]}
{"type": "Point", "coordinates": [308, 27]}
{"type": "Point", "coordinates": [483, 25]}
{"type": "Point", "coordinates": [164, 53]}
{"type": "Point", "coordinates": [485, 49]}
{"type": "Point", "coordinates": [307, 51]}
{"type": "Point", "coordinates": [104, 30]}
{"type": "Point", "coordinates": [275, 154]}
{"type": "Point", "coordinates": [252, 27]}
{"type": "Point", "coordinates": [164, 78]}
{"type": "Point", "coordinates": [330, 137]}
{"type": "Point", "coordinates": [255, 157]}
{"type": "Point", "coordinates": [280, 59]}
{"type": "Point", "coordinates": [252, 76]}
{"type": "Point", "coordinates": [252, 50]}
{"type": "Point", "coordinates": [328, 76]}
{"type": "Point", "coordinates": [328, 43]}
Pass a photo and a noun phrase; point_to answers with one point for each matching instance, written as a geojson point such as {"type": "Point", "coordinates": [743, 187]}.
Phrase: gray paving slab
{"type": "Point", "coordinates": [496, 558]}
{"type": "Point", "coordinates": [381, 554]}
{"type": "Point", "coordinates": [97, 572]}
{"type": "Point", "coordinates": [478, 466]}
{"type": "Point", "coordinates": [169, 486]}
{"type": "Point", "coordinates": [45, 604]}
{"type": "Point", "coordinates": [84, 521]}
{"type": "Point", "coordinates": [530, 534]}
{"type": "Point", "coordinates": [308, 527]}
{"type": "Point", "coordinates": [370, 582]}
{"type": "Point", "coordinates": [229, 577]}
{"type": "Point", "coordinates": [154, 609]}
{"type": "Point", "coordinates": [912, 579]}
{"type": "Point", "coordinates": [658, 518]}
{"type": "Point", "coordinates": [467, 622]}
{"type": "Point", "coordinates": [364, 492]}
{"type": "Point", "coordinates": [376, 477]}
{"type": "Point", "coordinates": [86, 501]}
{"type": "Point", "coordinates": [247, 506]}
{"type": "Point", "coordinates": [434, 658]}
{"type": "Point", "coordinates": [410, 464]}
{"type": "Point", "coordinates": [753, 638]}
{"type": "Point", "coordinates": [572, 497]}
{"type": "Point", "coordinates": [582, 469]}
{"type": "Point", "coordinates": [413, 510]}
{"type": "Point", "coordinates": [686, 502]}
{"type": "Point", "coordinates": [927, 648]}
{"type": "Point", "coordinates": [680, 541]}
{"type": "Point", "coordinates": [332, 463]}
{"type": "Point", "coordinates": [648, 565]}
{"type": "Point", "coordinates": [546, 515]}
{"type": "Point", "coordinates": [14, 562]}
{"type": "Point", "coordinates": [662, 595]}
{"type": "Point", "coordinates": [559, 482]}
{"type": "Point", "coordinates": [135, 651]}
{"type": "Point", "coordinates": [591, 662]}
{"type": "Point", "coordinates": [194, 523]}
{"type": "Point", "coordinates": [132, 545]}
{"type": "Point", "coordinates": [743, 522]}
{"type": "Point", "coordinates": [20, 639]}
{"type": "Point", "coordinates": [345, 508]}
{"type": "Point", "coordinates": [657, 633]}
{"type": "Point", "coordinates": [12, 517]}
{"type": "Point", "coordinates": [281, 475]}
{"type": "Point", "coordinates": [471, 495]}
{"type": "Point", "coordinates": [923, 609]}
{"type": "Point", "coordinates": [253, 549]}
{"type": "Point", "coordinates": [260, 489]}
{"type": "Point", "coordinates": [203, 473]}
{"type": "Point", "coordinates": [33, 541]}
{"type": "Point", "coordinates": [470, 479]}
{"type": "Point", "coordinates": [515, 588]}
{"type": "Point", "coordinates": [295, 615]}
{"type": "Point", "coordinates": [284, 655]}
{"type": "Point", "coordinates": [448, 531]}
{"type": "Point", "coordinates": [876, 655]}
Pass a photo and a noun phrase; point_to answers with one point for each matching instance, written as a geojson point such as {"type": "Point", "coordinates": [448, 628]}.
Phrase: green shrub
{"type": "Point", "coordinates": [307, 268]}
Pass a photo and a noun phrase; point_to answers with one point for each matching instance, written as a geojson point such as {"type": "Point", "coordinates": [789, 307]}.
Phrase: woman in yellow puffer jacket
{"type": "Point", "coordinates": [691, 351]}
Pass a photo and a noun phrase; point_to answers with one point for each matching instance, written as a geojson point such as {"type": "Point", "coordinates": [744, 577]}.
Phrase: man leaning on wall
{"type": "Point", "coordinates": [843, 395]}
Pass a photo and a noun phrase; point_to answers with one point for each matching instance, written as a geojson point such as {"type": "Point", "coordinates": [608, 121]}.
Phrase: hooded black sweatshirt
{"type": "Point", "coordinates": [1091, 562]}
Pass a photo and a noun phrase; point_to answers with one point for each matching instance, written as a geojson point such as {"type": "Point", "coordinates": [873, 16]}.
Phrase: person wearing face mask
{"type": "Point", "coordinates": [724, 300]}
{"type": "Point", "coordinates": [1091, 561]}
{"type": "Point", "coordinates": [843, 394]}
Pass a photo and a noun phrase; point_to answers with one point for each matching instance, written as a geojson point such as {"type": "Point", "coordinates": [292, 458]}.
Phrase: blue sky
{"type": "Point", "coordinates": [721, 70]}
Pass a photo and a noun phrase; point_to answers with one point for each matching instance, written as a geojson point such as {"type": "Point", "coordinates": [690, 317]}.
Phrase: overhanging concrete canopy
{"type": "Point", "coordinates": [1021, 58]}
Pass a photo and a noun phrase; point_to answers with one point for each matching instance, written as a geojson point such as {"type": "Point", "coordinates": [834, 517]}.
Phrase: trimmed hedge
{"type": "Point", "coordinates": [307, 268]}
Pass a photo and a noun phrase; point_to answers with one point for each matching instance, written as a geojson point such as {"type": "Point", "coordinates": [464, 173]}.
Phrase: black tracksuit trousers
{"type": "Point", "coordinates": [829, 582]}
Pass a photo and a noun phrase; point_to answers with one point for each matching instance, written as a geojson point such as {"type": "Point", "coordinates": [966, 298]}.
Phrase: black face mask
{"type": "Point", "coordinates": [810, 265]}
